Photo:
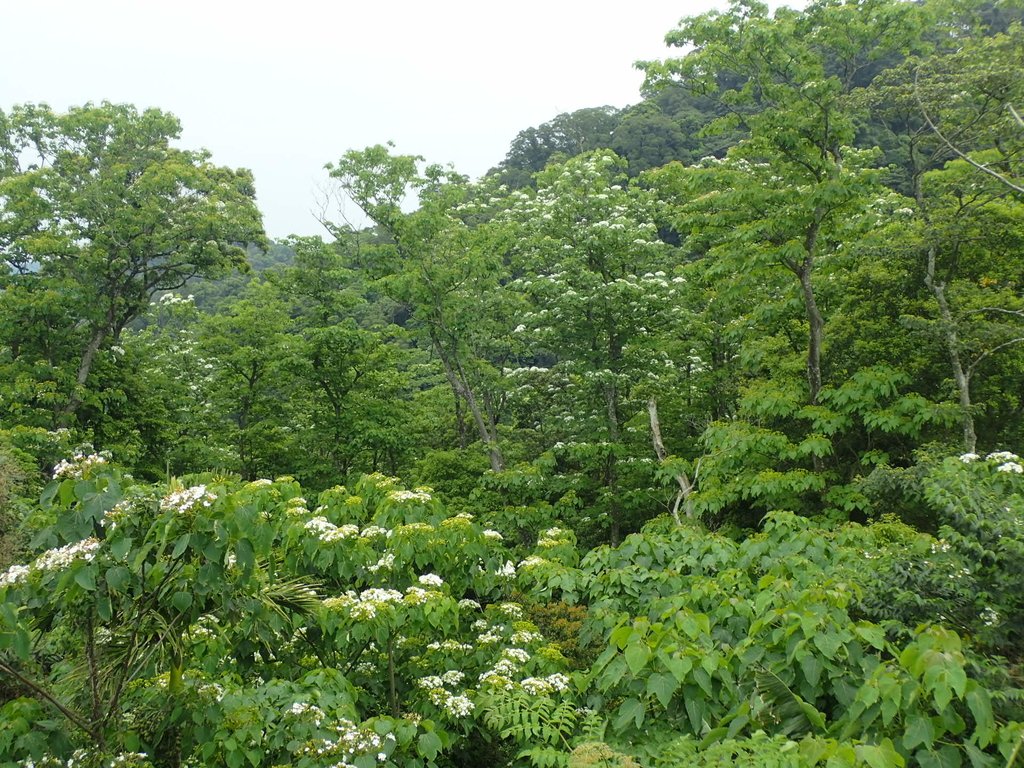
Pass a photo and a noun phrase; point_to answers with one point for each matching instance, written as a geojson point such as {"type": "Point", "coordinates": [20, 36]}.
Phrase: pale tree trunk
{"type": "Point", "coordinates": [611, 471]}
{"type": "Point", "coordinates": [961, 376]}
{"type": "Point", "coordinates": [682, 499]}
{"type": "Point", "coordinates": [461, 388]}
{"type": "Point", "coordinates": [71, 407]}
{"type": "Point", "coordinates": [814, 319]}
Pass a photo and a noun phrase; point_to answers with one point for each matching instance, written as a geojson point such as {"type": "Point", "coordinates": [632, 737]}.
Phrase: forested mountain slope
{"type": "Point", "coordinates": [686, 436]}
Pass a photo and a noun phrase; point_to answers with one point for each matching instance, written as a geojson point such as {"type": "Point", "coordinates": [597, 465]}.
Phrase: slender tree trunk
{"type": "Point", "coordinates": [611, 472]}
{"type": "Point", "coordinates": [814, 319]}
{"type": "Point", "coordinates": [71, 407]}
{"type": "Point", "coordinates": [460, 420]}
{"type": "Point", "coordinates": [961, 375]}
{"type": "Point", "coordinates": [457, 379]}
{"type": "Point", "coordinates": [685, 486]}
{"type": "Point", "coordinates": [952, 342]}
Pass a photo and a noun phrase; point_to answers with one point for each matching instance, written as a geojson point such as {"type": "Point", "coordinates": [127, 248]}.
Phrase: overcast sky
{"type": "Point", "coordinates": [284, 88]}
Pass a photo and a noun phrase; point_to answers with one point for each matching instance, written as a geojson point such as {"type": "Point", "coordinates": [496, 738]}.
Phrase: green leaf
{"type": "Point", "coordinates": [117, 578]}
{"type": "Point", "coordinates": [630, 710]}
{"type": "Point", "coordinates": [883, 756]}
{"type": "Point", "coordinates": [812, 669]}
{"type": "Point", "coordinates": [244, 554]}
{"type": "Point", "coordinates": [86, 578]}
{"type": "Point", "coordinates": [872, 634]}
{"type": "Point", "coordinates": [181, 601]}
{"type": "Point", "coordinates": [828, 643]}
{"type": "Point", "coordinates": [662, 686]}
{"type": "Point", "coordinates": [180, 545]}
{"type": "Point", "coordinates": [120, 547]}
{"type": "Point", "coordinates": [428, 745]}
{"type": "Point", "coordinates": [981, 708]}
{"type": "Point", "coordinates": [637, 655]}
{"type": "Point", "coordinates": [919, 731]}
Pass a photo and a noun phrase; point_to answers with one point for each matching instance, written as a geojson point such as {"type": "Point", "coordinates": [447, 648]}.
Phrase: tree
{"type": "Point", "coordinates": [591, 261]}
{"type": "Point", "coordinates": [786, 78]}
{"type": "Point", "coordinates": [567, 135]}
{"type": "Point", "coordinates": [954, 108]}
{"type": "Point", "coordinates": [98, 201]}
{"type": "Point", "coordinates": [444, 268]}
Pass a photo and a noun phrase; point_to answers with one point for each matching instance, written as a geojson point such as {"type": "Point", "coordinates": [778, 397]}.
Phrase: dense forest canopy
{"type": "Point", "coordinates": [684, 437]}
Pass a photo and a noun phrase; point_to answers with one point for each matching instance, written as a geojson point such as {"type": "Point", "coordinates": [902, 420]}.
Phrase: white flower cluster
{"type": "Point", "coordinates": [469, 603]}
{"type": "Point", "coordinates": [413, 528]}
{"type": "Point", "coordinates": [296, 507]}
{"type": "Point", "coordinates": [419, 494]}
{"type": "Point", "coordinates": [79, 464]}
{"type": "Point", "coordinates": [452, 646]}
{"type": "Point", "coordinates": [264, 483]}
{"type": "Point", "coordinates": [16, 574]}
{"type": "Point", "coordinates": [507, 571]}
{"type": "Point", "coordinates": [493, 535]}
{"type": "Point", "coordinates": [328, 532]}
{"type": "Point", "coordinates": [990, 616]}
{"type": "Point", "coordinates": [205, 627]}
{"type": "Point", "coordinates": [187, 500]}
{"type": "Point", "coordinates": [552, 537]}
{"type": "Point", "coordinates": [505, 669]}
{"type": "Point", "coordinates": [386, 562]}
{"type": "Point", "coordinates": [1010, 462]}
{"type": "Point", "coordinates": [213, 690]}
{"type": "Point", "coordinates": [516, 654]}
{"type": "Point", "coordinates": [303, 708]}
{"type": "Point", "coordinates": [83, 757]}
{"type": "Point", "coordinates": [348, 742]}
{"type": "Point", "coordinates": [416, 595]}
{"type": "Point", "coordinates": [533, 561]}
{"type": "Point", "coordinates": [62, 557]}
{"type": "Point", "coordinates": [117, 514]}
{"type": "Point", "coordinates": [431, 580]}
{"type": "Point", "coordinates": [367, 604]}
{"type": "Point", "coordinates": [451, 677]}
{"type": "Point", "coordinates": [536, 686]}
{"type": "Point", "coordinates": [373, 532]}
{"type": "Point", "coordinates": [370, 600]}
{"type": "Point", "coordinates": [512, 610]}
{"type": "Point", "coordinates": [525, 636]}
{"type": "Point", "coordinates": [128, 758]}
{"type": "Point", "coordinates": [456, 705]}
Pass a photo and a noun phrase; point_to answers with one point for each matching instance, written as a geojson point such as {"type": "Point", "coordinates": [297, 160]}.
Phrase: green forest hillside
{"type": "Point", "coordinates": [686, 436]}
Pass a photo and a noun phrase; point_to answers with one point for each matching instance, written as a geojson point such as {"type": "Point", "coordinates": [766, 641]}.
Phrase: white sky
{"type": "Point", "coordinates": [284, 88]}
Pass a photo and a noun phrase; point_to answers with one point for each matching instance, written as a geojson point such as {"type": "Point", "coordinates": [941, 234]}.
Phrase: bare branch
{"type": "Point", "coordinates": [990, 352]}
{"type": "Point", "coordinates": [956, 150]}
{"type": "Point", "coordinates": [74, 718]}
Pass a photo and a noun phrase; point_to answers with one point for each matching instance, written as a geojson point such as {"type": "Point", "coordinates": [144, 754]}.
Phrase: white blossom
{"type": "Point", "coordinates": [187, 500]}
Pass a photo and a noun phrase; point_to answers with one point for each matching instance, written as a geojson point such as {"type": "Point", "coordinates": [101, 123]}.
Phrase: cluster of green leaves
{"type": "Point", "coordinates": [228, 624]}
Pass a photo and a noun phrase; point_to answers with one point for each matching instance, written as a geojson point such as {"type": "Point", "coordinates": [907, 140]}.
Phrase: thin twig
{"type": "Point", "coordinates": [956, 150]}
{"type": "Point", "coordinates": [76, 719]}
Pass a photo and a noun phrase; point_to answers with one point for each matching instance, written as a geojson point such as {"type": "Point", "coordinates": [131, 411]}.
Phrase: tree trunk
{"type": "Point", "coordinates": [685, 486]}
{"type": "Point", "coordinates": [457, 379]}
{"type": "Point", "coordinates": [949, 336]}
{"type": "Point", "coordinates": [814, 319]}
{"type": "Point", "coordinates": [460, 420]}
{"type": "Point", "coordinates": [71, 407]}
{"type": "Point", "coordinates": [611, 473]}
